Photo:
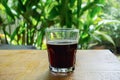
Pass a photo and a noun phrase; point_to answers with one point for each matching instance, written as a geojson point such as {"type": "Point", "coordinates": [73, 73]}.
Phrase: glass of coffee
{"type": "Point", "coordinates": [62, 47]}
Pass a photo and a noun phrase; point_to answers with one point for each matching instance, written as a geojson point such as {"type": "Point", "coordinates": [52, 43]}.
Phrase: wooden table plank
{"type": "Point", "coordinates": [33, 65]}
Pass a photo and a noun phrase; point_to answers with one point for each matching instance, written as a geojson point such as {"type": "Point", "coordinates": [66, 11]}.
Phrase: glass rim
{"type": "Point", "coordinates": [61, 29]}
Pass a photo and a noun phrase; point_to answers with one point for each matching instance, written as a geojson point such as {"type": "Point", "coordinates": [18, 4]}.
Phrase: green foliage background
{"type": "Point", "coordinates": [112, 17]}
{"type": "Point", "coordinates": [24, 21]}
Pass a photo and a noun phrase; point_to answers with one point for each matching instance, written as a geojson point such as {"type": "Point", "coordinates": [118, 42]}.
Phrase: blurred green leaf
{"type": "Point", "coordinates": [108, 22]}
{"type": "Point", "coordinates": [1, 21]}
{"type": "Point", "coordinates": [53, 13]}
{"type": "Point", "coordinates": [72, 3]}
{"type": "Point", "coordinates": [7, 8]}
{"type": "Point", "coordinates": [94, 12]}
{"type": "Point", "coordinates": [30, 3]}
{"type": "Point", "coordinates": [40, 37]}
{"type": "Point", "coordinates": [105, 36]}
{"type": "Point", "coordinates": [15, 33]}
{"type": "Point", "coordinates": [21, 6]}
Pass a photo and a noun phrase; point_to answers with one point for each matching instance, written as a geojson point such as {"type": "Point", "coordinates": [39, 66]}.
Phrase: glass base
{"type": "Point", "coordinates": [61, 70]}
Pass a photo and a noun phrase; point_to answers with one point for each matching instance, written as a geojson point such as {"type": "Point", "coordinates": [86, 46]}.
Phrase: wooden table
{"type": "Point", "coordinates": [33, 65]}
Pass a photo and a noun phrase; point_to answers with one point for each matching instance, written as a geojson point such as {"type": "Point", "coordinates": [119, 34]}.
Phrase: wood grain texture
{"type": "Point", "coordinates": [33, 65]}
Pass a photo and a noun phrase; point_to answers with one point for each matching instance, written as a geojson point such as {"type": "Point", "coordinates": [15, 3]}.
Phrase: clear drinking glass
{"type": "Point", "coordinates": [61, 47]}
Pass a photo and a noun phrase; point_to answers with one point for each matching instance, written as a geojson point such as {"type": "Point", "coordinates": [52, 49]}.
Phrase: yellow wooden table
{"type": "Point", "coordinates": [33, 65]}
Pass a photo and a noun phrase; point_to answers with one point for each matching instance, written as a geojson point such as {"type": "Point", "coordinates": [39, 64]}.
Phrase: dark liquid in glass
{"type": "Point", "coordinates": [62, 54]}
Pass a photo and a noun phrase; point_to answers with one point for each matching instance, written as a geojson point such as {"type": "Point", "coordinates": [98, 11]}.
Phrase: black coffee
{"type": "Point", "coordinates": [62, 54]}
